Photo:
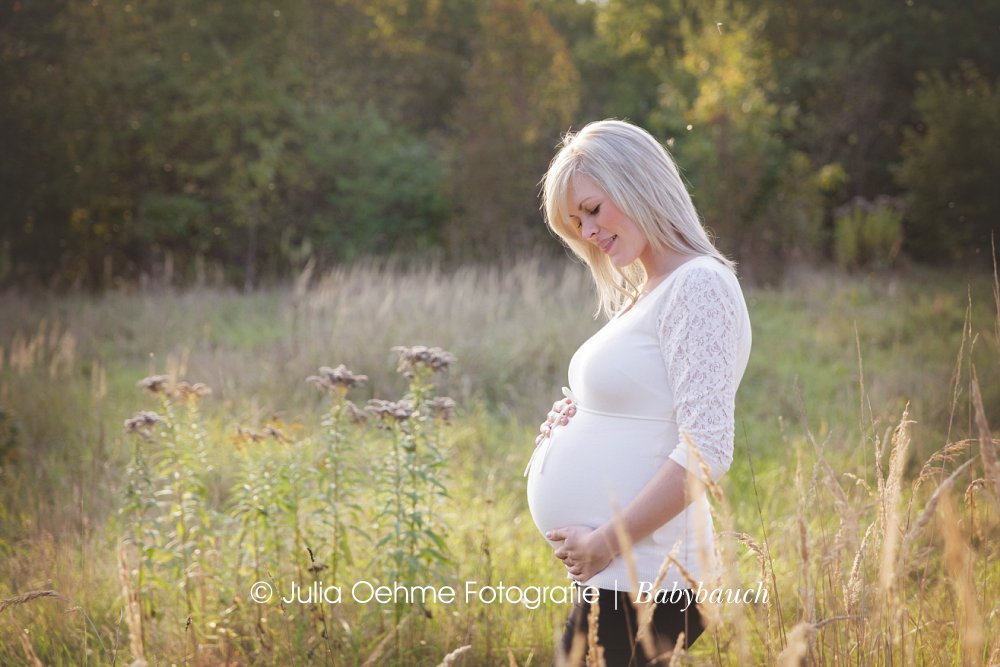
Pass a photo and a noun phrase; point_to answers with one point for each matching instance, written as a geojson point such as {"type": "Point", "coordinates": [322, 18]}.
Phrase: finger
{"type": "Point", "coordinates": [556, 535]}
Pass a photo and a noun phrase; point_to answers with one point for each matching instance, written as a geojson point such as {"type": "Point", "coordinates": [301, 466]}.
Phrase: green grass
{"type": "Point", "coordinates": [63, 456]}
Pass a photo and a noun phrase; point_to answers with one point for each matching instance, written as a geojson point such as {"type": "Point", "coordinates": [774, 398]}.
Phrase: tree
{"type": "Point", "coordinates": [758, 196]}
{"type": "Point", "coordinates": [191, 133]}
{"type": "Point", "coordinates": [950, 167]}
{"type": "Point", "coordinates": [852, 68]}
{"type": "Point", "coordinates": [520, 92]}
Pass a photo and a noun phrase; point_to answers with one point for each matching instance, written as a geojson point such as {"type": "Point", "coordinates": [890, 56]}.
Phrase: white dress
{"type": "Point", "coordinates": [669, 365]}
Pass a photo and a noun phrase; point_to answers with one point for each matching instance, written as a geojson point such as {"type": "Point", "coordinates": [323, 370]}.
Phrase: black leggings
{"type": "Point", "coordinates": [616, 628]}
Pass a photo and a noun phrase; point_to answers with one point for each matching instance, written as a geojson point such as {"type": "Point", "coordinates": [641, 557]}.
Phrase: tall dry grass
{"type": "Point", "coordinates": [873, 525]}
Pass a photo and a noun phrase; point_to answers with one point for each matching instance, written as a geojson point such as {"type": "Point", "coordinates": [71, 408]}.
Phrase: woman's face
{"type": "Point", "coordinates": [599, 221]}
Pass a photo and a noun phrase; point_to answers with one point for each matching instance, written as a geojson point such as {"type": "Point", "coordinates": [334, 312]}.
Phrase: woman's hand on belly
{"type": "Point", "coordinates": [584, 551]}
{"type": "Point", "coordinates": [559, 415]}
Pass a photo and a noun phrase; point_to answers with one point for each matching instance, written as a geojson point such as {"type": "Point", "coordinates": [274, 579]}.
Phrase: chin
{"type": "Point", "coordinates": [621, 264]}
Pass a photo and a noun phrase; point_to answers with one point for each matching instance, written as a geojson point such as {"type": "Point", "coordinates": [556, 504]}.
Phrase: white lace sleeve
{"type": "Point", "coordinates": [699, 338]}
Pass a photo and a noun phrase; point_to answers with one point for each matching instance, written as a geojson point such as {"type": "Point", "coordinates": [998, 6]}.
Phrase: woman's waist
{"type": "Point", "coordinates": [649, 407]}
{"type": "Point", "coordinates": [623, 416]}
{"type": "Point", "coordinates": [617, 430]}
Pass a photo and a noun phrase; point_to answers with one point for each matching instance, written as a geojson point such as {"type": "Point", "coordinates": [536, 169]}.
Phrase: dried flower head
{"type": "Point", "coordinates": [388, 410]}
{"type": "Point", "coordinates": [355, 414]}
{"type": "Point", "coordinates": [272, 431]}
{"type": "Point", "coordinates": [154, 384]}
{"type": "Point", "coordinates": [412, 358]}
{"type": "Point", "coordinates": [245, 436]}
{"type": "Point", "coordinates": [442, 407]}
{"type": "Point", "coordinates": [339, 378]}
{"type": "Point", "coordinates": [191, 392]}
{"type": "Point", "coordinates": [143, 422]}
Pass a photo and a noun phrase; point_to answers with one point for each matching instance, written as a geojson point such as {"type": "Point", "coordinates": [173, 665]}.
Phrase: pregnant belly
{"type": "Point", "coordinates": [595, 464]}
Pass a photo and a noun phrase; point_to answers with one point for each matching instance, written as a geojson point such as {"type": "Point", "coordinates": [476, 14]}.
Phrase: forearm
{"type": "Point", "coordinates": [660, 500]}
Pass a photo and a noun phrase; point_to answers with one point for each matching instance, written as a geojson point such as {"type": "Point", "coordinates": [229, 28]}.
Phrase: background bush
{"type": "Point", "coordinates": [950, 166]}
{"type": "Point", "coordinates": [868, 233]}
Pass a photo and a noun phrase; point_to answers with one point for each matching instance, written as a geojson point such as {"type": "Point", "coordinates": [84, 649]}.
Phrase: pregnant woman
{"type": "Point", "coordinates": [657, 381]}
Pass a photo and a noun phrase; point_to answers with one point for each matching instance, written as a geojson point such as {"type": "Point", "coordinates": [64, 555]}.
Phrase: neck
{"type": "Point", "coordinates": [660, 265]}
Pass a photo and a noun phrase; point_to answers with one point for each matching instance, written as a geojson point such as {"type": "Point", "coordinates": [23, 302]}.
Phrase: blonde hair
{"type": "Point", "coordinates": [640, 177]}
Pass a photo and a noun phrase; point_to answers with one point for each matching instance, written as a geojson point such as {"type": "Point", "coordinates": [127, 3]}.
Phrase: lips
{"type": "Point", "coordinates": [606, 245]}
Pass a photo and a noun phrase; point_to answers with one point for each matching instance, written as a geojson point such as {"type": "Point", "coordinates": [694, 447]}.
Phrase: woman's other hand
{"type": "Point", "coordinates": [584, 551]}
{"type": "Point", "coordinates": [560, 414]}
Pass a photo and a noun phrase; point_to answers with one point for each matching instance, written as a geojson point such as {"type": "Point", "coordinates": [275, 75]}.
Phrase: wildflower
{"type": "Point", "coordinates": [412, 358]}
{"type": "Point", "coordinates": [245, 436]}
{"type": "Point", "coordinates": [143, 422]}
{"type": "Point", "coordinates": [339, 378]}
{"type": "Point", "coordinates": [154, 384]}
{"type": "Point", "coordinates": [272, 431]}
{"type": "Point", "coordinates": [191, 393]}
{"type": "Point", "coordinates": [400, 410]}
{"type": "Point", "coordinates": [355, 414]}
{"type": "Point", "coordinates": [442, 407]}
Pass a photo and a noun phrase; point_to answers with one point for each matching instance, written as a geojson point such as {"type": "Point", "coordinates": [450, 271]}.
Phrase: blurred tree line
{"type": "Point", "coordinates": [210, 139]}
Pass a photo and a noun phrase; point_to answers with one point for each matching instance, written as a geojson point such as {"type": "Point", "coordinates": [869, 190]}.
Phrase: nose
{"type": "Point", "coordinates": [588, 229]}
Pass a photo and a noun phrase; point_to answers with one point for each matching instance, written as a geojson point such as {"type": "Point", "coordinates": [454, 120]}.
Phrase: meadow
{"type": "Point", "coordinates": [135, 520]}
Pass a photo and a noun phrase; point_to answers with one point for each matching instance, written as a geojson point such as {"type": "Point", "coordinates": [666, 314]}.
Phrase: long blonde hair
{"type": "Point", "coordinates": [638, 174]}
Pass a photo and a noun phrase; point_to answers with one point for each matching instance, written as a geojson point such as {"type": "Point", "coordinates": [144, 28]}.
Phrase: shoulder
{"type": "Point", "coordinates": [703, 277]}
{"type": "Point", "coordinates": [703, 288]}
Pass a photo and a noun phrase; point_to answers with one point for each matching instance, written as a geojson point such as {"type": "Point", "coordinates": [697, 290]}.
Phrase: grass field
{"type": "Point", "coordinates": [860, 402]}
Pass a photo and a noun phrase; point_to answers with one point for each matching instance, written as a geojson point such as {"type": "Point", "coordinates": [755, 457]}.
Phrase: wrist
{"type": "Point", "coordinates": [607, 536]}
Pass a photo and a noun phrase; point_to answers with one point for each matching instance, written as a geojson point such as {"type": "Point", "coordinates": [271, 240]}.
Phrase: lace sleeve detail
{"type": "Point", "coordinates": [699, 336]}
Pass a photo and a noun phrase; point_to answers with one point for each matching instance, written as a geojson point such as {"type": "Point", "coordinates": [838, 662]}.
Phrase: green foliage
{"type": "Point", "coordinates": [760, 198]}
{"type": "Point", "coordinates": [867, 233]}
{"type": "Point", "coordinates": [408, 484]}
{"type": "Point", "coordinates": [165, 498]}
{"type": "Point", "coordinates": [341, 477]}
{"type": "Point", "coordinates": [376, 188]}
{"type": "Point", "coordinates": [521, 90]}
{"type": "Point", "coordinates": [638, 43]}
{"type": "Point", "coordinates": [182, 141]}
{"type": "Point", "coordinates": [198, 131]}
{"type": "Point", "coordinates": [852, 68]}
{"type": "Point", "coordinates": [950, 167]}
{"type": "Point", "coordinates": [174, 221]}
{"type": "Point", "coordinates": [295, 512]}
